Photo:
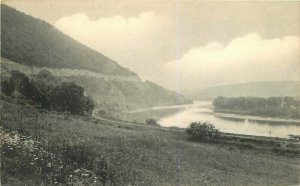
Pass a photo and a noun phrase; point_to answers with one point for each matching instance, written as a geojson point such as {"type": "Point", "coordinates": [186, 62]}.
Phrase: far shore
{"type": "Point", "coordinates": [233, 114]}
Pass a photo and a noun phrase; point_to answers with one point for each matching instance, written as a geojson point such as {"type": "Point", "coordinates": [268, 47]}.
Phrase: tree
{"type": "Point", "coordinates": [27, 88]}
{"type": "Point", "coordinates": [219, 102]}
{"type": "Point", "coordinates": [20, 82]}
{"type": "Point", "coordinates": [67, 97]}
{"type": "Point", "coordinates": [274, 102]}
{"type": "Point", "coordinates": [7, 87]}
{"type": "Point", "coordinates": [32, 92]}
{"type": "Point", "coordinates": [88, 105]}
{"type": "Point", "coordinates": [45, 74]}
{"type": "Point", "coordinates": [202, 131]}
{"type": "Point", "coordinates": [46, 82]}
{"type": "Point", "coordinates": [70, 97]}
{"type": "Point", "coordinates": [289, 101]}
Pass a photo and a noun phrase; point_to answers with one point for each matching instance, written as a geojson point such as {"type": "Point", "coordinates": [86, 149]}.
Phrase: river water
{"type": "Point", "coordinates": [182, 115]}
{"type": "Point", "coordinates": [259, 126]}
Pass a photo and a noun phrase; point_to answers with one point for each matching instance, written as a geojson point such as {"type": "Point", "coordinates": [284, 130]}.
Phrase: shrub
{"type": "Point", "coordinates": [151, 121]}
{"type": "Point", "coordinates": [102, 112]}
{"type": "Point", "coordinates": [202, 131]}
{"type": "Point", "coordinates": [294, 137]}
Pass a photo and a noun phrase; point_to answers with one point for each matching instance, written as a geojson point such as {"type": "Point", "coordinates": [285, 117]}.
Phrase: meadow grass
{"type": "Point", "coordinates": [139, 155]}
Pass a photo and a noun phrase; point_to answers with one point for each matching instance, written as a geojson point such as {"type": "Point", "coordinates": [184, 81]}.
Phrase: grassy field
{"type": "Point", "coordinates": [37, 145]}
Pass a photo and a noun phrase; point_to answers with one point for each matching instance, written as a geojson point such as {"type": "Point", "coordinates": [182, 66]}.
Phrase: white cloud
{"type": "Point", "coordinates": [140, 42]}
{"type": "Point", "coordinates": [81, 27]}
{"type": "Point", "coordinates": [247, 58]}
{"type": "Point", "coordinates": [128, 40]}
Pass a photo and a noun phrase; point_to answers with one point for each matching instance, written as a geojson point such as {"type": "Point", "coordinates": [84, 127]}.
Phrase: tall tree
{"type": "Point", "coordinates": [70, 97]}
{"type": "Point", "coordinates": [7, 87]}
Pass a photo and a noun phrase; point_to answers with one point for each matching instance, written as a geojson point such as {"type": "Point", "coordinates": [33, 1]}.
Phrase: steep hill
{"type": "Point", "coordinates": [31, 45]}
{"type": "Point", "coordinates": [34, 42]}
{"type": "Point", "coordinates": [257, 89]}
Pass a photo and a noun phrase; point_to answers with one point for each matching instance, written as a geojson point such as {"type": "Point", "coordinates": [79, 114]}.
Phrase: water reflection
{"type": "Point", "coordinates": [202, 111]}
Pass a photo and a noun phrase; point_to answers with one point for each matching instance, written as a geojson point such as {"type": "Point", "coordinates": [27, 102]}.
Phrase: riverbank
{"type": "Point", "coordinates": [181, 116]}
{"type": "Point", "coordinates": [138, 153]}
{"type": "Point", "coordinates": [276, 107]}
{"type": "Point", "coordinates": [238, 115]}
{"type": "Point", "coordinates": [140, 115]}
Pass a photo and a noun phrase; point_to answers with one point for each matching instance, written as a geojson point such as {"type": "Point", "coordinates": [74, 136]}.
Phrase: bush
{"type": "Point", "coordinates": [151, 121]}
{"type": "Point", "coordinates": [294, 137]}
{"type": "Point", "coordinates": [202, 131]}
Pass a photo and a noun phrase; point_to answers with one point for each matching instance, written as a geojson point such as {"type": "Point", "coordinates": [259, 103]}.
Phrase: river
{"type": "Point", "coordinates": [182, 115]}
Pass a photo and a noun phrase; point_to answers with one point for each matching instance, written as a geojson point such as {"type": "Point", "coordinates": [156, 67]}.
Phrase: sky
{"type": "Point", "coordinates": [184, 45]}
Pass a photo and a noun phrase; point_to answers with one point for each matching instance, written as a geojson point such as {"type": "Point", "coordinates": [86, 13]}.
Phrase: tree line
{"type": "Point", "coordinates": [65, 96]}
{"type": "Point", "coordinates": [273, 106]}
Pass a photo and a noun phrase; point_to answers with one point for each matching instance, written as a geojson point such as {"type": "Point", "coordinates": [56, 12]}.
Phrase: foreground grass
{"type": "Point", "coordinates": [135, 155]}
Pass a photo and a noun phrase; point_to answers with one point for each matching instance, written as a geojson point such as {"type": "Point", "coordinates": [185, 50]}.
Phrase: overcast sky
{"type": "Point", "coordinates": [184, 45]}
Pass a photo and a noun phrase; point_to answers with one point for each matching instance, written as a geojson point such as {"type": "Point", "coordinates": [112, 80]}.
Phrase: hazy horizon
{"type": "Point", "coordinates": [184, 45]}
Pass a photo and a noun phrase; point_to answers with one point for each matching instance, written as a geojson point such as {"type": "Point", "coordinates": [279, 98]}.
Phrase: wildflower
{"type": "Point", "coordinates": [85, 175]}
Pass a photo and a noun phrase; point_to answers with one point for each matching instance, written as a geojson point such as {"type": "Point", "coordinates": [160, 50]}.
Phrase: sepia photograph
{"type": "Point", "coordinates": [150, 93]}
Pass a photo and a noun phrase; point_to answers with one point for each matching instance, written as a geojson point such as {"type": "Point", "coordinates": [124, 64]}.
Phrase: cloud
{"type": "Point", "coordinates": [141, 42]}
{"type": "Point", "coordinates": [80, 26]}
{"type": "Point", "coordinates": [246, 58]}
{"type": "Point", "coordinates": [128, 40]}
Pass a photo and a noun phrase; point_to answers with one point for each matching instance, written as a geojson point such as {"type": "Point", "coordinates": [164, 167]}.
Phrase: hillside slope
{"type": "Point", "coordinates": [148, 155]}
{"type": "Point", "coordinates": [255, 89]}
{"type": "Point", "coordinates": [34, 42]}
{"type": "Point", "coordinates": [35, 45]}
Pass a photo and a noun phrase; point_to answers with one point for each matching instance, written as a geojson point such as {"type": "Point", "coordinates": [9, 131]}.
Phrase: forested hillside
{"type": "Point", "coordinates": [285, 107]}
{"type": "Point", "coordinates": [31, 41]}
{"type": "Point", "coordinates": [31, 45]}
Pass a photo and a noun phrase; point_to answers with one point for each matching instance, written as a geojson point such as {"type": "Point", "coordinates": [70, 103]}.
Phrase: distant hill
{"type": "Point", "coordinates": [31, 45]}
{"type": "Point", "coordinates": [257, 89]}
